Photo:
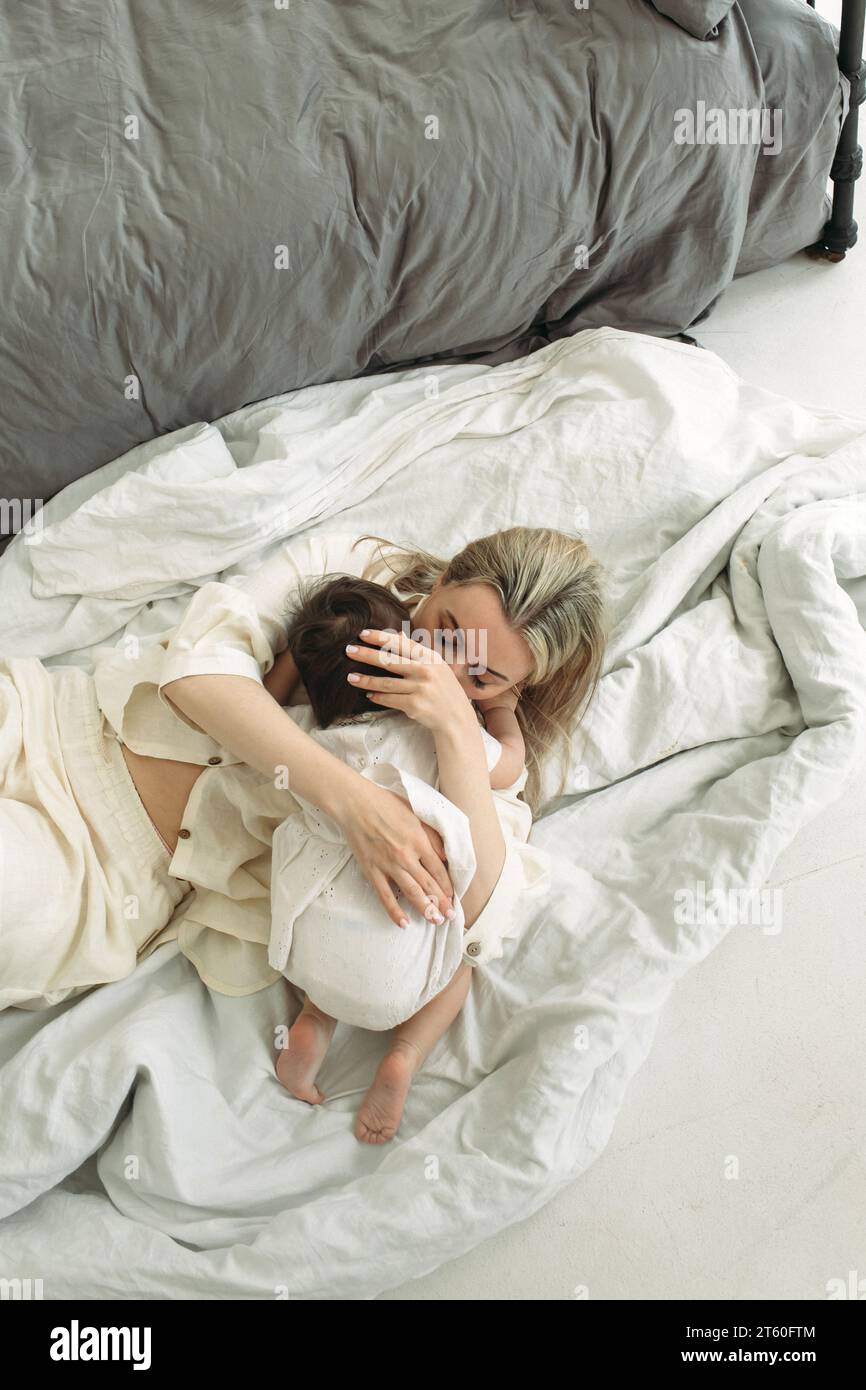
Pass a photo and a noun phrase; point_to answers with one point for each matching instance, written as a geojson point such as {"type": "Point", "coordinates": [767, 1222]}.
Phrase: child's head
{"type": "Point", "coordinates": [333, 611]}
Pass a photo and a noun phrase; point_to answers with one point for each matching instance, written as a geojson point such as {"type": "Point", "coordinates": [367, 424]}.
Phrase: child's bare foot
{"type": "Point", "coordinates": [382, 1107]}
{"type": "Point", "coordinates": [300, 1059]}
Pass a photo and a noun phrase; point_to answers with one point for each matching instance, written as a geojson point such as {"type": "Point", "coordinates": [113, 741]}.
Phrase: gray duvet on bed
{"type": "Point", "coordinates": [209, 203]}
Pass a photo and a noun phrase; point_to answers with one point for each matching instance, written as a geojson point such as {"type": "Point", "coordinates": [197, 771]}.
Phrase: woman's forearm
{"type": "Point", "coordinates": [465, 780]}
{"type": "Point", "coordinates": [242, 716]}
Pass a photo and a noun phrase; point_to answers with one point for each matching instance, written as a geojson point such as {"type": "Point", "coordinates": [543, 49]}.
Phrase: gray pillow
{"type": "Point", "coordinates": [699, 17]}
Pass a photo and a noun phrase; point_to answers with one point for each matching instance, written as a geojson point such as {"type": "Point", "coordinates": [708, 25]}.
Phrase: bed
{"type": "Point", "coordinates": [208, 204]}
{"type": "Point", "coordinates": [147, 1149]}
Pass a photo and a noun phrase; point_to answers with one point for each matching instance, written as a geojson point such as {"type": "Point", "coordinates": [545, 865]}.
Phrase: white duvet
{"type": "Point", "coordinates": [146, 1147]}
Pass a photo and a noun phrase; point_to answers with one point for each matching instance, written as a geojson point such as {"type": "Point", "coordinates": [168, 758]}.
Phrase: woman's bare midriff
{"type": "Point", "coordinates": [164, 787]}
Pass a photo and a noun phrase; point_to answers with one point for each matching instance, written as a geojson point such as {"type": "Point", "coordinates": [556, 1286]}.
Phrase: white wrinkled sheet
{"type": "Point", "coordinates": [733, 708]}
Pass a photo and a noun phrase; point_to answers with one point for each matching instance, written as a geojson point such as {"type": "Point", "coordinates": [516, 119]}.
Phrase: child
{"type": "Point", "coordinates": [318, 894]}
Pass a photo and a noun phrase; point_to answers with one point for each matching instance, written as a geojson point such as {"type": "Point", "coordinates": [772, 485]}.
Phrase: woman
{"type": "Point", "coordinates": [167, 768]}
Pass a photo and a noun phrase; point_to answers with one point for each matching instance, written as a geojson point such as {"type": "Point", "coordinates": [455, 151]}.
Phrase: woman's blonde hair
{"type": "Point", "coordinates": [551, 589]}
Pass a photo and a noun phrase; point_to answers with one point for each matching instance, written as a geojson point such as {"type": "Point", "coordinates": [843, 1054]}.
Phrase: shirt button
{"type": "Point", "coordinates": [183, 834]}
{"type": "Point", "coordinates": [213, 761]}
{"type": "Point", "coordinates": [473, 949]}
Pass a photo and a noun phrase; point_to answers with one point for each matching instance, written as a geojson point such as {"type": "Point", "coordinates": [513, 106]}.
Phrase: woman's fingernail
{"type": "Point", "coordinates": [351, 649]}
{"type": "Point", "coordinates": [451, 914]}
{"type": "Point", "coordinates": [404, 921]}
{"type": "Point", "coordinates": [365, 632]}
{"type": "Point", "coordinates": [353, 677]}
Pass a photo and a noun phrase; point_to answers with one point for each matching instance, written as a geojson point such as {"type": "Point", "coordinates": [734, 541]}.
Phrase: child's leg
{"type": "Point", "coordinates": [299, 1061]}
{"type": "Point", "coordinates": [420, 1032]}
{"type": "Point", "coordinates": [411, 1042]}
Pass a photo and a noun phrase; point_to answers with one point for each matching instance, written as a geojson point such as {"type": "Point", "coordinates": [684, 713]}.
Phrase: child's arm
{"type": "Point", "coordinates": [282, 678]}
{"type": "Point", "coordinates": [501, 723]}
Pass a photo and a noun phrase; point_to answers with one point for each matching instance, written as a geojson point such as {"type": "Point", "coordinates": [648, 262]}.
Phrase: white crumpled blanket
{"type": "Point", "coordinates": [147, 1149]}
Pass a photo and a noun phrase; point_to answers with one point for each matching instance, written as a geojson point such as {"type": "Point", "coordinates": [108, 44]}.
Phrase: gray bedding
{"type": "Point", "coordinates": [154, 155]}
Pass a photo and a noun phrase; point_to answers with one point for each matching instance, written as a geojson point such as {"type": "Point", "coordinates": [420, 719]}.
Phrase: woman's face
{"type": "Point", "coordinates": [466, 625]}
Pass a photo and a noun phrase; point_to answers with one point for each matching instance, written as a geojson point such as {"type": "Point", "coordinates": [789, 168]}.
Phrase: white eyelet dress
{"type": "Point", "coordinates": [330, 935]}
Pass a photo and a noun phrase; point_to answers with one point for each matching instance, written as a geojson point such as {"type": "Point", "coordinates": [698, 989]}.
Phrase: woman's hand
{"type": "Point", "coordinates": [426, 688]}
{"type": "Point", "coordinates": [389, 841]}
{"type": "Point", "coordinates": [393, 847]}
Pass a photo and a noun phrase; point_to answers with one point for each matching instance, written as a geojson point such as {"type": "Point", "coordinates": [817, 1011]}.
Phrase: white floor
{"type": "Point", "coordinates": [760, 1054]}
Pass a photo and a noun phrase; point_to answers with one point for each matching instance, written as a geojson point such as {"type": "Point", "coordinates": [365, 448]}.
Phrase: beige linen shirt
{"type": "Point", "coordinates": [238, 627]}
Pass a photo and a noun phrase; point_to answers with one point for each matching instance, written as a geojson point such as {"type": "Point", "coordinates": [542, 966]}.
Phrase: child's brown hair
{"type": "Point", "coordinates": [333, 611]}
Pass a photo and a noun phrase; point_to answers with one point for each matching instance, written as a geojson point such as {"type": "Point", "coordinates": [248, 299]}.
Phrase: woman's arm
{"type": "Point", "coordinates": [465, 780]}
{"type": "Point", "coordinates": [389, 842]}
{"type": "Point", "coordinates": [428, 691]}
{"type": "Point", "coordinates": [211, 678]}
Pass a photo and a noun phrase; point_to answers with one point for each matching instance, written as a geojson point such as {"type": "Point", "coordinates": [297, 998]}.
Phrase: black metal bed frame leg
{"type": "Point", "coordinates": [840, 233]}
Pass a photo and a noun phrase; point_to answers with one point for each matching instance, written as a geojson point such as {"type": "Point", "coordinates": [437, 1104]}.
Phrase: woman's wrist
{"type": "Point", "coordinates": [462, 732]}
{"type": "Point", "coordinates": [334, 789]}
